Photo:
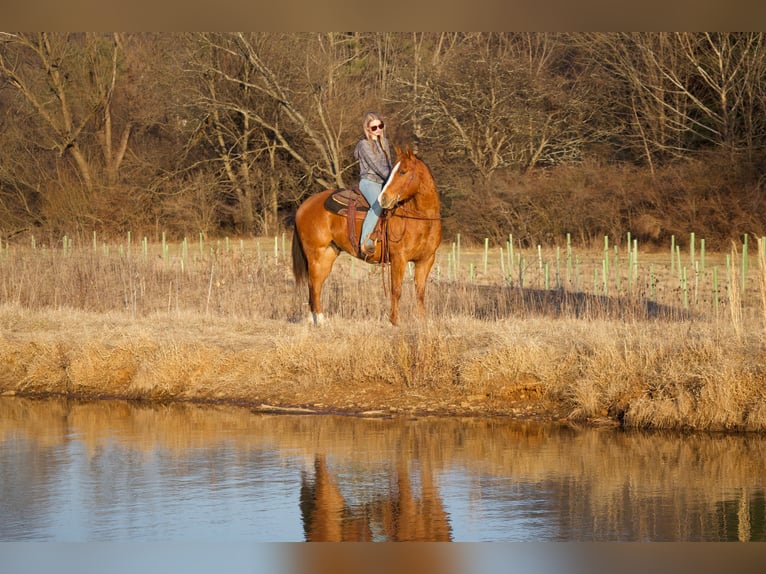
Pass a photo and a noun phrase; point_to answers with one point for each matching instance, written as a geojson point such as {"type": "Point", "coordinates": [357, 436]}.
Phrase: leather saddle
{"type": "Point", "coordinates": [351, 204]}
{"type": "Point", "coordinates": [342, 201]}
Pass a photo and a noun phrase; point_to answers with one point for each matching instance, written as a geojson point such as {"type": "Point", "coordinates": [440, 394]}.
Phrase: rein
{"type": "Point", "coordinates": [385, 256]}
{"type": "Point", "coordinates": [410, 214]}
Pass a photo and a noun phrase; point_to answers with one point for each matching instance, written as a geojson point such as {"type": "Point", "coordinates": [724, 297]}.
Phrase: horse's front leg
{"type": "Point", "coordinates": [397, 277]}
{"type": "Point", "coordinates": [422, 269]}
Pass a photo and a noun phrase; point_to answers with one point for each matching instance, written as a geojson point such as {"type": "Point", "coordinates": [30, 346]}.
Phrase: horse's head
{"type": "Point", "coordinates": [404, 180]}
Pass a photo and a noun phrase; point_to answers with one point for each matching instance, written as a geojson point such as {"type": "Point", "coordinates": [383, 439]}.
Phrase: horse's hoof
{"type": "Point", "coordinates": [316, 319]}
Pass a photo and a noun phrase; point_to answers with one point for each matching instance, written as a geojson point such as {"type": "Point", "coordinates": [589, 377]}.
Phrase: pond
{"type": "Point", "coordinates": [115, 471]}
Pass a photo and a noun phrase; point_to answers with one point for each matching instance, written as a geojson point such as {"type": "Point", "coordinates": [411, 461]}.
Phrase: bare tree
{"type": "Point", "coordinates": [687, 91]}
{"type": "Point", "coordinates": [277, 109]}
{"type": "Point", "coordinates": [21, 174]}
{"type": "Point", "coordinates": [640, 111]}
{"type": "Point", "coordinates": [726, 92]}
{"type": "Point", "coordinates": [497, 101]}
{"type": "Point", "coordinates": [80, 101]}
{"type": "Point", "coordinates": [68, 82]}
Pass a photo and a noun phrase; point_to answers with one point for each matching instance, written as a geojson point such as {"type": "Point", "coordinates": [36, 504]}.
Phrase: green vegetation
{"type": "Point", "coordinates": [668, 339]}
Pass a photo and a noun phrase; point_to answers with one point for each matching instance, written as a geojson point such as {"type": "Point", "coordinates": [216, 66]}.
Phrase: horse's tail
{"type": "Point", "coordinates": [300, 263]}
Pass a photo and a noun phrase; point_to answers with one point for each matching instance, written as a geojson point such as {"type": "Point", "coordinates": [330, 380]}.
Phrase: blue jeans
{"type": "Point", "coordinates": [370, 190]}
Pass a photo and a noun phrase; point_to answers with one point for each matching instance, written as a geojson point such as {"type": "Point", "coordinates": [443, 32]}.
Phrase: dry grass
{"type": "Point", "coordinates": [223, 322]}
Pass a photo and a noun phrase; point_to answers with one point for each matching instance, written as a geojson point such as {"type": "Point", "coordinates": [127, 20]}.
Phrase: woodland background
{"type": "Point", "coordinates": [535, 134]}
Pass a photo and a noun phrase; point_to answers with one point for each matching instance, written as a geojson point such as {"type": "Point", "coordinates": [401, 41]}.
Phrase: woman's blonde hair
{"type": "Point", "coordinates": [368, 118]}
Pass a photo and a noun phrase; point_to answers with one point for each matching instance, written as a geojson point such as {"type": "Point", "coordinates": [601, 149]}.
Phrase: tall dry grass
{"type": "Point", "coordinates": [620, 334]}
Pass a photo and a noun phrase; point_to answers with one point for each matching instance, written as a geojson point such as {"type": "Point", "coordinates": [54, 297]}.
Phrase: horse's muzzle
{"type": "Point", "coordinates": [387, 202]}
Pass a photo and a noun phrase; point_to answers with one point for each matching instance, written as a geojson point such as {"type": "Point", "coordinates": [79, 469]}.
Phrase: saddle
{"type": "Point", "coordinates": [351, 204]}
{"type": "Point", "coordinates": [342, 201]}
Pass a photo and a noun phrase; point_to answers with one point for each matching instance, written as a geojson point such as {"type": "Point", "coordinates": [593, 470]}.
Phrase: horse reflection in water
{"type": "Point", "coordinates": [401, 516]}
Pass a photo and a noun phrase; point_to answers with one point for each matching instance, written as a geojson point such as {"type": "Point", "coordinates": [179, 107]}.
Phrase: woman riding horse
{"type": "Point", "coordinates": [413, 233]}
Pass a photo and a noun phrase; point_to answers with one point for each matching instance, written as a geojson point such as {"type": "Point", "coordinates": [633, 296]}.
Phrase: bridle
{"type": "Point", "coordinates": [407, 213]}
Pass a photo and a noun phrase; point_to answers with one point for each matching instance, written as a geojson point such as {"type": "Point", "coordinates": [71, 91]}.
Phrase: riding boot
{"type": "Point", "coordinates": [368, 247]}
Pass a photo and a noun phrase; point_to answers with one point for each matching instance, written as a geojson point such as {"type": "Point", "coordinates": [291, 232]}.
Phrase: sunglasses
{"type": "Point", "coordinates": [376, 127]}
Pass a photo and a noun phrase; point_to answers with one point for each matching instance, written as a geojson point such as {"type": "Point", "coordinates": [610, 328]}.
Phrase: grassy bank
{"type": "Point", "coordinates": [643, 339]}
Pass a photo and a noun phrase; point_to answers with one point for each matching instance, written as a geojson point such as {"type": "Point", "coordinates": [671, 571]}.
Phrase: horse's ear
{"type": "Point", "coordinates": [398, 151]}
{"type": "Point", "coordinates": [408, 152]}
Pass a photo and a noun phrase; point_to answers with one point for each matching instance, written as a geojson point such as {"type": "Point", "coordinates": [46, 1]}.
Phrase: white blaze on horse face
{"type": "Point", "coordinates": [389, 180]}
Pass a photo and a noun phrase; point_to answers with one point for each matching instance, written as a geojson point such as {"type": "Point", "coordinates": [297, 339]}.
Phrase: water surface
{"type": "Point", "coordinates": [116, 471]}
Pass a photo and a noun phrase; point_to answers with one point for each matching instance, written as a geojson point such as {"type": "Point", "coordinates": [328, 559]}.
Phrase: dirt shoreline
{"type": "Point", "coordinates": [389, 404]}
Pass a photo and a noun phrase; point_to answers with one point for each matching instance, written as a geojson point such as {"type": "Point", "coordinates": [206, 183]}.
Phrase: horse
{"type": "Point", "coordinates": [411, 226]}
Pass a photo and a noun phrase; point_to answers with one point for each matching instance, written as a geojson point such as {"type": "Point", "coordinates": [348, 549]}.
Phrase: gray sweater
{"type": "Point", "coordinates": [372, 166]}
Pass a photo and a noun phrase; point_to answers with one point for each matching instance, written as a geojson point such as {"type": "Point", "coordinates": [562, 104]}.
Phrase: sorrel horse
{"type": "Point", "coordinates": [412, 232]}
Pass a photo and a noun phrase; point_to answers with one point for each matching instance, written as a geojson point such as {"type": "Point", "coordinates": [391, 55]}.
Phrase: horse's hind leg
{"type": "Point", "coordinates": [320, 265]}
